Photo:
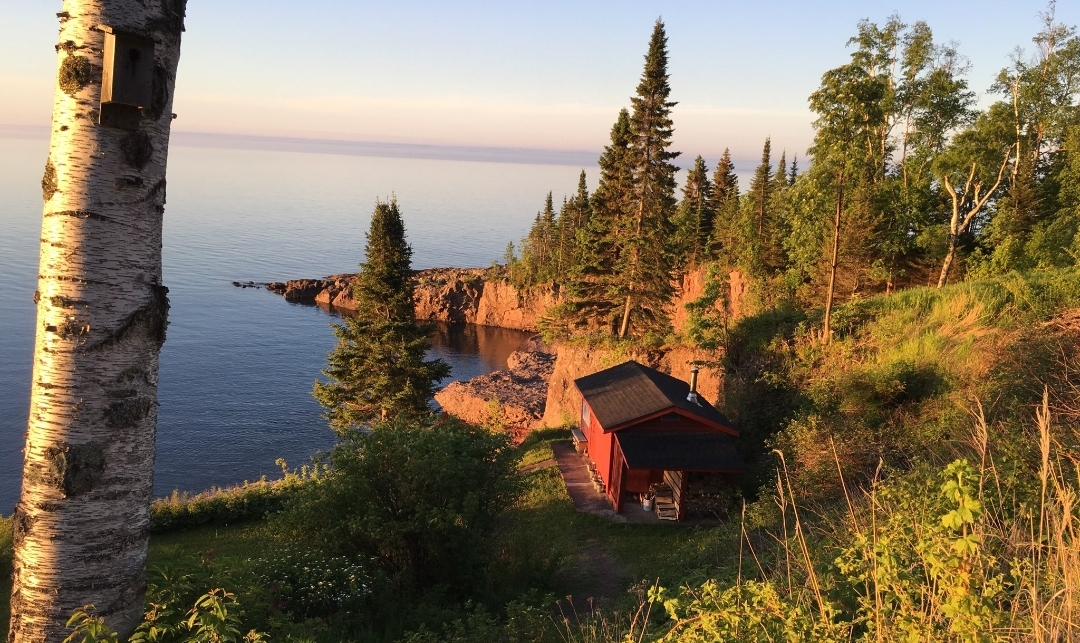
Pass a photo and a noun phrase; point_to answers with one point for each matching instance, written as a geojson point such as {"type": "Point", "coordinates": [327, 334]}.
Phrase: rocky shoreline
{"type": "Point", "coordinates": [514, 399]}
{"type": "Point", "coordinates": [536, 389]}
{"type": "Point", "coordinates": [453, 295]}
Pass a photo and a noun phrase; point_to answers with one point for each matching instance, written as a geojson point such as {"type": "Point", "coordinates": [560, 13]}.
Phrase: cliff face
{"type": "Point", "coordinates": [442, 294]}
{"type": "Point", "coordinates": [537, 387]}
{"type": "Point", "coordinates": [692, 286]}
{"type": "Point", "coordinates": [574, 361]}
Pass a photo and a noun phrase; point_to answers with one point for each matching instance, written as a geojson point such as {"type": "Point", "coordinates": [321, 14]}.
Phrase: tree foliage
{"type": "Point", "coordinates": [378, 369]}
{"type": "Point", "coordinates": [418, 497]}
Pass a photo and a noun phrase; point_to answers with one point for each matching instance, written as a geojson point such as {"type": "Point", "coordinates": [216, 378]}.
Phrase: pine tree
{"type": "Point", "coordinates": [582, 198]}
{"type": "Point", "coordinates": [540, 249]}
{"type": "Point", "coordinates": [590, 282]}
{"type": "Point", "coordinates": [644, 263]}
{"type": "Point", "coordinates": [725, 207]}
{"type": "Point", "coordinates": [760, 188]}
{"type": "Point", "coordinates": [378, 370]}
{"type": "Point", "coordinates": [573, 218]}
{"type": "Point", "coordinates": [780, 179]}
{"type": "Point", "coordinates": [763, 228]}
{"type": "Point", "coordinates": [694, 218]}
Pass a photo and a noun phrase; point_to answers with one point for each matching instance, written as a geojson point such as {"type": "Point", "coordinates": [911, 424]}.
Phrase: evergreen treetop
{"type": "Point", "coordinates": [645, 260]}
{"type": "Point", "coordinates": [378, 370]}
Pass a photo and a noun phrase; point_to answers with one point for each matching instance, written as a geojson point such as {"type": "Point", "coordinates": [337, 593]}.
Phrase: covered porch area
{"type": "Point", "coordinates": [682, 475]}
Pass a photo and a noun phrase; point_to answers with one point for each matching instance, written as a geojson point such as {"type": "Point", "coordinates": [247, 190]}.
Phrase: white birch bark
{"type": "Point", "coordinates": [81, 526]}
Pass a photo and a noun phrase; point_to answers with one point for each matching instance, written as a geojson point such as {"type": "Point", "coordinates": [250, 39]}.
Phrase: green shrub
{"type": "Point", "coordinates": [418, 498]}
{"type": "Point", "coordinates": [242, 503]}
{"type": "Point", "coordinates": [307, 585]}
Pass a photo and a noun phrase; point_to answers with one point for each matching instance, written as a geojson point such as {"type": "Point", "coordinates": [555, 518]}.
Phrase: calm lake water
{"type": "Point", "coordinates": [238, 365]}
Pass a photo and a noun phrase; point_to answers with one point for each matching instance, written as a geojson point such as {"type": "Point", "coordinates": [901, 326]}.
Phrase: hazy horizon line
{"type": "Point", "coordinates": [432, 151]}
{"type": "Point", "coordinates": [584, 159]}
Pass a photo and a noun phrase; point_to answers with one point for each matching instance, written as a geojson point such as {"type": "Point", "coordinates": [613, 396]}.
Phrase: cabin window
{"type": "Point", "coordinates": [670, 417]}
{"type": "Point", "coordinates": [584, 413]}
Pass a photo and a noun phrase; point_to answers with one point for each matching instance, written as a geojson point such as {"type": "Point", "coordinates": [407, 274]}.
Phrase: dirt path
{"type": "Point", "coordinates": [579, 485]}
{"type": "Point", "coordinates": [611, 577]}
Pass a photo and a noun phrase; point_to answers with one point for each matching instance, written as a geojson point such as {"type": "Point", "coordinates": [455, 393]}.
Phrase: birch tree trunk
{"type": "Point", "coordinates": [81, 526]}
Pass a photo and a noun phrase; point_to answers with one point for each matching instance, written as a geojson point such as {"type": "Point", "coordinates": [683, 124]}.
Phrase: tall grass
{"type": "Point", "coordinates": [225, 505]}
{"type": "Point", "coordinates": [968, 551]}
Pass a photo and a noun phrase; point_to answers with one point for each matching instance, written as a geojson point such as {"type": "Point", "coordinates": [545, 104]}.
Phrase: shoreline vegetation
{"type": "Point", "coordinates": [895, 332]}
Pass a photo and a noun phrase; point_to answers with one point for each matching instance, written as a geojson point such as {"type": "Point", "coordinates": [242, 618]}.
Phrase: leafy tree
{"type": "Point", "coordinates": [378, 370]}
{"type": "Point", "coordinates": [418, 497]}
{"type": "Point", "coordinates": [850, 115]}
{"type": "Point", "coordinates": [82, 521]}
{"type": "Point", "coordinates": [971, 172]}
{"type": "Point", "coordinates": [644, 263]}
{"type": "Point", "coordinates": [882, 120]}
{"type": "Point", "coordinates": [1037, 110]}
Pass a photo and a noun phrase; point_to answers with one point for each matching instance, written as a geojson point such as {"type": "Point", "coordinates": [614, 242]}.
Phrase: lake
{"type": "Point", "coordinates": [238, 365]}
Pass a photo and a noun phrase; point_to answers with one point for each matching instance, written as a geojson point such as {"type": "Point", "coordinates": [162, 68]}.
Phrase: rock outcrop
{"type": "Point", "coordinates": [461, 295]}
{"type": "Point", "coordinates": [513, 398]}
{"type": "Point", "coordinates": [574, 361]}
{"type": "Point", "coordinates": [537, 388]}
{"type": "Point", "coordinates": [308, 291]}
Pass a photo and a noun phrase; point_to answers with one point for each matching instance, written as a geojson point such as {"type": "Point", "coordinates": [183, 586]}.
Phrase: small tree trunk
{"type": "Point", "coordinates": [943, 278]}
{"type": "Point", "coordinates": [826, 331]}
{"type": "Point", "coordinates": [624, 327]}
{"type": "Point", "coordinates": [81, 526]}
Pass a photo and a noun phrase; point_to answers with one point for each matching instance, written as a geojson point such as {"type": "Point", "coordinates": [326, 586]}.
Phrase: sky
{"type": "Point", "coordinates": [546, 75]}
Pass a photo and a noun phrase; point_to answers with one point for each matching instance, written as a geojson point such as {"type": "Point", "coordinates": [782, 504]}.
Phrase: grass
{"type": "Point", "coordinates": [543, 542]}
{"type": "Point", "coordinates": [546, 518]}
{"type": "Point", "coordinates": [5, 572]}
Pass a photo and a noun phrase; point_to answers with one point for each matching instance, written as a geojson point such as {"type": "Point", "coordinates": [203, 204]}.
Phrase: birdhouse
{"type": "Point", "coordinates": [127, 78]}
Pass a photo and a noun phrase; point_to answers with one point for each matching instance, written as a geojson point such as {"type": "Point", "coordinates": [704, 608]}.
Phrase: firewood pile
{"type": "Point", "coordinates": [709, 497]}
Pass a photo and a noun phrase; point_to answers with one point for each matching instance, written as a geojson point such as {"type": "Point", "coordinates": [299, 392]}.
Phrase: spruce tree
{"type": "Point", "coordinates": [644, 262]}
{"type": "Point", "coordinates": [378, 370]}
{"type": "Point", "coordinates": [725, 207]}
{"type": "Point", "coordinates": [760, 189]}
{"type": "Point", "coordinates": [582, 199]}
{"type": "Point", "coordinates": [567, 222]}
{"type": "Point", "coordinates": [694, 218]}
{"type": "Point", "coordinates": [765, 255]}
{"type": "Point", "coordinates": [591, 298]}
{"type": "Point", "coordinates": [780, 175]}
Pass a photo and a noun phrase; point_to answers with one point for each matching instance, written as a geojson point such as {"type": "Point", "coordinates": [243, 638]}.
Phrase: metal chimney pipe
{"type": "Point", "coordinates": [692, 396]}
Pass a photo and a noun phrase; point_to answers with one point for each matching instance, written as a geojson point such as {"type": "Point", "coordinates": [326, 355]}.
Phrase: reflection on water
{"type": "Point", "coordinates": [475, 350]}
{"type": "Point", "coordinates": [470, 349]}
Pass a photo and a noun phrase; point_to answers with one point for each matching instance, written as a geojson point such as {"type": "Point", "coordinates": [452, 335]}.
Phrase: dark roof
{"type": "Point", "coordinates": [679, 451]}
{"type": "Point", "coordinates": [629, 391]}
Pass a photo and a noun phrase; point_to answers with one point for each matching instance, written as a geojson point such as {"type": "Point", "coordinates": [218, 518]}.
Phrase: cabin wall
{"type": "Point", "coordinates": [601, 447]}
{"type": "Point", "coordinates": [638, 480]}
{"type": "Point", "coordinates": [618, 469]}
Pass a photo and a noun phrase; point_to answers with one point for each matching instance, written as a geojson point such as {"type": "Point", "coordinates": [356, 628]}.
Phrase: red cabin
{"type": "Point", "coordinates": [652, 435]}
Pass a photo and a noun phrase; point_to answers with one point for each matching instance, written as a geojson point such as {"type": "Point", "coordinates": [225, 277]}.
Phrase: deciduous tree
{"type": "Point", "coordinates": [81, 526]}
